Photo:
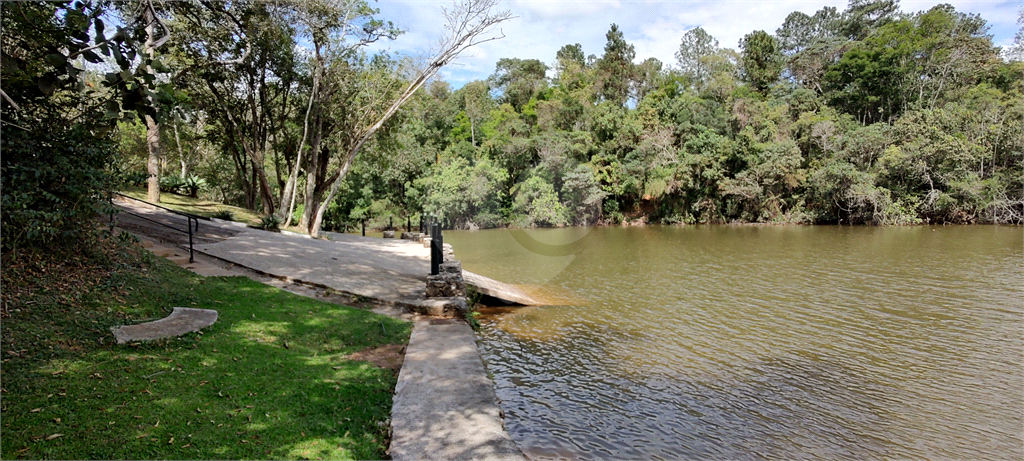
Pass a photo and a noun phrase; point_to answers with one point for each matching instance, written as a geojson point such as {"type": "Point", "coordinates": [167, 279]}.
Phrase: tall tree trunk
{"type": "Point", "coordinates": [181, 155]}
{"type": "Point", "coordinates": [153, 164]}
{"type": "Point", "coordinates": [152, 127]}
{"type": "Point", "coordinates": [290, 188]}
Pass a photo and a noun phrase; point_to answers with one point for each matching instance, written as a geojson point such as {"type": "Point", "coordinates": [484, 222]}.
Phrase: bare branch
{"type": "Point", "coordinates": [8, 99]}
{"type": "Point", "coordinates": [467, 22]}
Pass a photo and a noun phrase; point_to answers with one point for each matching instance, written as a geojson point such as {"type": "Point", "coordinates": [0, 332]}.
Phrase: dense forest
{"type": "Point", "coordinates": [869, 115]}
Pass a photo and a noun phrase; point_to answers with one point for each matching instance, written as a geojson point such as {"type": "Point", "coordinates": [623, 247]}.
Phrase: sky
{"type": "Point", "coordinates": [655, 28]}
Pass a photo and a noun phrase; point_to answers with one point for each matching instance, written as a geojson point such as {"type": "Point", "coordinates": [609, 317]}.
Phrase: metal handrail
{"type": "Point", "coordinates": [189, 216]}
{"type": "Point", "coordinates": [183, 213]}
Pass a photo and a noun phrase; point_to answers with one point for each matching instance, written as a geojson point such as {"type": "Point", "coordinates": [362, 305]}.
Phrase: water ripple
{"type": "Point", "coordinates": [765, 343]}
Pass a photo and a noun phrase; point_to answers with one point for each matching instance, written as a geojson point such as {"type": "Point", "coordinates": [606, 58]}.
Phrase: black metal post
{"type": "Point", "coordinates": [364, 227]}
{"type": "Point", "coordinates": [436, 248]}
{"type": "Point", "coordinates": [408, 223]}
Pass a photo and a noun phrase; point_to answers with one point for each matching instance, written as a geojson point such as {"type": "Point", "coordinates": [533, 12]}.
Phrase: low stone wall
{"type": "Point", "coordinates": [448, 283]}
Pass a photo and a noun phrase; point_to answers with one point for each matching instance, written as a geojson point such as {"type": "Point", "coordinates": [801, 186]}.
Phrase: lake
{"type": "Point", "coordinates": [751, 342]}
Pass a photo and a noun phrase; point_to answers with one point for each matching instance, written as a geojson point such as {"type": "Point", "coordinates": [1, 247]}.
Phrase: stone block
{"type": "Point", "coordinates": [453, 307]}
{"type": "Point", "coordinates": [448, 252]}
{"type": "Point", "coordinates": [446, 285]}
{"type": "Point", "coordinates": [407, 236]}
{"type": "Point", "coordinates": [452, 267]}
{"type": "Point", "coordinates": [426, 242]}
{"type": "Point", "coordinates": [389, 234]}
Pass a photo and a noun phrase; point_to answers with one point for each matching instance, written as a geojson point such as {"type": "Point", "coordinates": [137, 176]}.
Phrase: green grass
{"type": "Point", "coordinates": [197, 206]}
{"type": "Point", "coordinates": [267, 381]}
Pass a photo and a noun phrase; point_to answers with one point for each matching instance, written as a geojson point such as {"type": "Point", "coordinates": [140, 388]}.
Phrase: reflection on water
{"type": "Point", "coordinates": [760, 342]}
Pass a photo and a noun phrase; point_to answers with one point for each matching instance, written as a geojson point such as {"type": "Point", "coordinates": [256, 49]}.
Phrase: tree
{"type": "Point", "coordinates": [468, 25]}
{"type": "Point", "coordinates": [519, 80]}
{"type": "Point", "coordinates": [569, 59]}
{"type": "Point", "coordinates": [57, 116]}
{"type": "Point", "coordinates": [800, 31]}
{"type": "Point", "coordinates": [615, 68]}
{"type": "Point", "coordinates": [336, 30]}
{"type": "Point", "coordinates": [692, 58]}
{"type": "Point", "coordinates": [1015, 52]}
{"type": "Point", "coordinates": [915, 60]}
{"type": "Point", "coordinates": [239, 56]}
{"type": "Point", "coordinates": [156, 35]}
{"type": "Point", "coordinates": [648, 77]}
{"type": "Point", "coordinates": [796, 33]}
{"type": "Point", "coordinates": [761, 58]}
{"type": "Point", "coordinates": [477, 104]}
{"type": "Point", "coordinates": [863, 16]}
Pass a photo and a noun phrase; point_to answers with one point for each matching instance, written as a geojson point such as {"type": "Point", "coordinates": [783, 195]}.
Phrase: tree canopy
{"type": "Point", "coordinates": [867, 115]}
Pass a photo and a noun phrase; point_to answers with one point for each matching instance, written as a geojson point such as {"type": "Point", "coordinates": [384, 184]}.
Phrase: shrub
{"type": "Point", "coordinates": [271, 223]}
{"type": "Point", "coordinates": [172, 184]}
{"type": "Point", "coordinates": [53, 183]}
{"type": "Point", "coordinates": [192, 185]}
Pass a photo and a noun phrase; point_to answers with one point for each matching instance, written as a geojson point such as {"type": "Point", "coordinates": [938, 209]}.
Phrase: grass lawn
{"type": "Point", "coordinates": [269, 380]}
{"type": "Point", "coordinates": [196, 206]}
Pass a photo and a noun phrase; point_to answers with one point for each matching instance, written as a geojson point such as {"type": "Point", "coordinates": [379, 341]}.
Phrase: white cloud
{"type": "Point", "coordinates": [653, 27]}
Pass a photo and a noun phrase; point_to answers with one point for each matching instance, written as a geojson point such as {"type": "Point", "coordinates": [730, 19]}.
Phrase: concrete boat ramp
{"type": "Point", "coordinates": [444, 405]}
{"type": "Point", "coordinates": [387, 270]}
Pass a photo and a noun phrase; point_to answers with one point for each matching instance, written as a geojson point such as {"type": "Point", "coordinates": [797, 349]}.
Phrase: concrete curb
{"type": "Point", "coordinates": [444, 405]}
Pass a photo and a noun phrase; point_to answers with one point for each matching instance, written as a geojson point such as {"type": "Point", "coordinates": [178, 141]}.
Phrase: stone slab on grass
{"type": "Point", "coordinates": [182, 320]}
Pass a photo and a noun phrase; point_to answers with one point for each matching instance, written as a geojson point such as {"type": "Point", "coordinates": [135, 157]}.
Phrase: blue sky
{"type": "Point", "coordinates": [653, 27]}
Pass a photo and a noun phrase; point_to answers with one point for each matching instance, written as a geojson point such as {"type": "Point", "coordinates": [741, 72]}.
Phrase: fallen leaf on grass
{"type": "Point", "coordinates": [22, 450]}
{"type": "Point", "coordinates": [186, 445]}
{"type": "Point", "coordinates": [243, 441]}
{"type": "Point", "coordinates": [36, 410]}
{"type": "Point", "coordinates": [337, 368]}
{"type": "Point", "coordinates": [170, 441]}
{"type": "Point", "coordinates": [56, 420]}
{"type": "Point", "coordinates": [51, 437]}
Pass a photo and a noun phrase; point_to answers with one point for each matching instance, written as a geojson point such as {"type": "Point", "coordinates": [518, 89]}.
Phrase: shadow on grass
{"type": "Point", "coordinates": [268, 381]}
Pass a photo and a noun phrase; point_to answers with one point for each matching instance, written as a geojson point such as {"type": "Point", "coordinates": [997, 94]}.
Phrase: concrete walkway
{"type": "Point", "coordinates": [444, 406]}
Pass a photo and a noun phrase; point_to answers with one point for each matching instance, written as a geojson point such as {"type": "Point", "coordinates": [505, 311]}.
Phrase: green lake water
{"type": "Point", "coordinates": [750, 342]}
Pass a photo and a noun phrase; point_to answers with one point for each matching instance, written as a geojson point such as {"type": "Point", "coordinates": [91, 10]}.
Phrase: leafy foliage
{"type": "Point", "coordinates": [57, 117]}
